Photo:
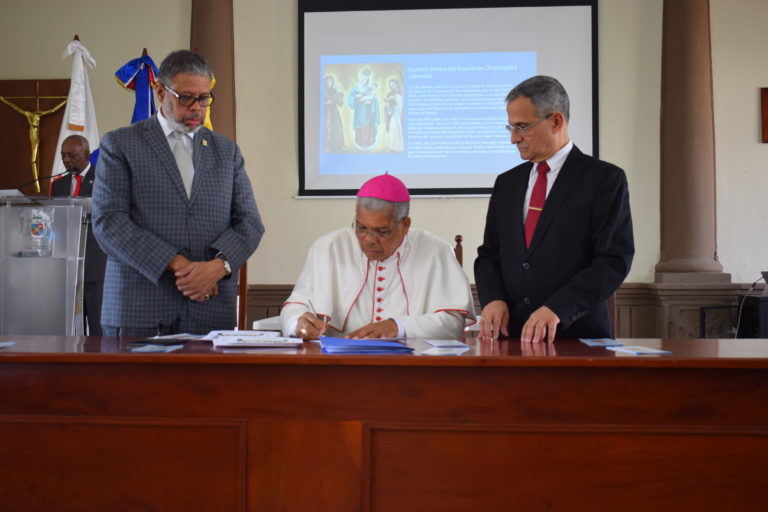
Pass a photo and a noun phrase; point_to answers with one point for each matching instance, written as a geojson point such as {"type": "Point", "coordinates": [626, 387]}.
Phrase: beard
{"type": "Point", "coordinates": [180, 126]}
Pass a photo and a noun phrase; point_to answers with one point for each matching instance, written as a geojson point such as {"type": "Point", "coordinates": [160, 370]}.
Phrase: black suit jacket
{"type": "Point", "coordinates": [95, 258]}
{"type": "Point", "coordinates": [580, 253]}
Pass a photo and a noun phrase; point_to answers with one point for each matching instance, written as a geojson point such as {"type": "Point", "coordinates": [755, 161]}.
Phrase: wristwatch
{"type": "Point", "coordinates": [227, 266]}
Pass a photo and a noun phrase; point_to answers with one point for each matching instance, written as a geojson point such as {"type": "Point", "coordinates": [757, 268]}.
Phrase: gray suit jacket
{"type": "Point", "coordinates": [142, 218]}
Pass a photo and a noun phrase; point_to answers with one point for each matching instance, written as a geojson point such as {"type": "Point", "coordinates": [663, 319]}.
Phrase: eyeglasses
{"type": "Point", "coordinates": [188, 101]}
{"type": "Point", "coordinates": [523, 130]}
{"type": "Point", "coordinates": [378, 234]}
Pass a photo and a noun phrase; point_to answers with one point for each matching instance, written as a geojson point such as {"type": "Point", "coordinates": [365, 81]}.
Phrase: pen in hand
{"type": "Point", "coordinates": [314, 325]}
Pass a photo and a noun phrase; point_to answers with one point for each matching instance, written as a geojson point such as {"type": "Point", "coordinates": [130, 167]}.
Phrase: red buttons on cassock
{"type": "Point", "coordinates": [379, 310]}
{"type": "Point", "coordinates": [379, 289]}
{"type": "Point", "coordinates": [381, 268]}
{"type": "Point", "coordinates": [381, 278]}
{"type": "Point", "coordinates": [378, 319]}
{"type": "Point", "coordinates": [378, 299]}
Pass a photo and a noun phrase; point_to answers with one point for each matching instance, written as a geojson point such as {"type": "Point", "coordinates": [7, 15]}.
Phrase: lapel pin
{"type": "Point", "coordinates": [205, 142]}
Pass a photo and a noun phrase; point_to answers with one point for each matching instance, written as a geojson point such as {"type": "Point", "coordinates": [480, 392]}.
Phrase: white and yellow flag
{"type": "Point", "coordinates": [79, 116]}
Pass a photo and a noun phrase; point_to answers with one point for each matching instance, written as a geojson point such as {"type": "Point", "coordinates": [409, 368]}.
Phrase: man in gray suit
{"type": "Point", "coordinates": [174, 211]}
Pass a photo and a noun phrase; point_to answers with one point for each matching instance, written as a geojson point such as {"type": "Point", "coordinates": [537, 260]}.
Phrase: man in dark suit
{"type": "Point", "coordinates": [558, 237]}
{"type": "Point", "coordinates": [173, 208]}
{"type": "Point", "coordinates": [78, 182]}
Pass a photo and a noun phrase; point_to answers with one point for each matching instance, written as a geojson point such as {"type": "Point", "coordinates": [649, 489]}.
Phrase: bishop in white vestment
{"type": "Point", "coordinates": [380, 278]}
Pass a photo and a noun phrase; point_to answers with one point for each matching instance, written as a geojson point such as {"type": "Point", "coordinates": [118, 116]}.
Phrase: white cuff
{"type": "Point", "coordinates": [290, 330]}
{"type": "Point", "coordinates": [400, 328]}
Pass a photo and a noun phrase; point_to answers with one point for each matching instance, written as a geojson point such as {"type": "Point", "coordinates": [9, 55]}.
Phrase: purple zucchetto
{"type": "Point", "coordinates": [385, 187]}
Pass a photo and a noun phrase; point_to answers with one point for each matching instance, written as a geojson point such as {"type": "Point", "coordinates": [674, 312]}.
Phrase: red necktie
{"type": "Point", "coordinates": [79, 180]}
{"type": "Point", "coordinates": [536, 204]}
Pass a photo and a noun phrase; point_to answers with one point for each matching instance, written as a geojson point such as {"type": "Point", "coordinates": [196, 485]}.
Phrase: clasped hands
{"type": "Point", "coordinates": [540, 326]}
{"type": "Point", "coordinates": [311, 327]}
{"type": "Point", "coordinates": [197, 280]}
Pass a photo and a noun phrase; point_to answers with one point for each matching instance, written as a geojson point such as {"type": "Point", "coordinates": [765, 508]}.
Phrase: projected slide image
{"type": "Point", "coordinates": [417, 113]}
{"type": "Point", "coordinates": [418, 89]}
{"type": "Point", "coordinates": [363, 108]}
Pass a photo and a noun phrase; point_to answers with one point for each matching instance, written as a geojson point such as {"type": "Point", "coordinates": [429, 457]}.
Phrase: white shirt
{"type": "Point", "coordinates": [168, 132]}
{"type": "Point", "coordinates": [555, 163]}
{"type": "Point", "coordinates": [73, 182]}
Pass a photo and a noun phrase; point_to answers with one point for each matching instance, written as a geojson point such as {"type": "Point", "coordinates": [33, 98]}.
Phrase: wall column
{"type": "Point", "coordinates": [213, 37]}
{"type": "Point", "coordinates": [691, 293]}
{"type": "Point", "coordinates": [688, 207]}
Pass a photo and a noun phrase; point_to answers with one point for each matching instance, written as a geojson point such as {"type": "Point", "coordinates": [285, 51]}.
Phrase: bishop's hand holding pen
{"type": "Point", "coordinates": [310, 325]}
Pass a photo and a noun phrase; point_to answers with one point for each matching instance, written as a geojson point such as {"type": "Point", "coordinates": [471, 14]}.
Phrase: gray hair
{"type": "Point", "coordinates": [546, 93]}
{"type": "Point", "coordinates": [182, 61]}
{"type": "Point", "coordinates": [400, 209]}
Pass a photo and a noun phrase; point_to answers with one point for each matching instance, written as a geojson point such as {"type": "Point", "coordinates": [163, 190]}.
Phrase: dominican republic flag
{"type": "Point", "coordinates": [140, 75]}
{"type": "Point", "coordinates": [79, 115]}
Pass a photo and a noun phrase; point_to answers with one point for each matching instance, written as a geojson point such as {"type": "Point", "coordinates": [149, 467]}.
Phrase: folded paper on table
{"type": "Point", "coordinates": [601, 342]}
{"type": "Point", "coordinates": [239, 334]}
{"type": "Point", "coordinates": [156, 348]}
{"type": "Point", "coordinates": [447, 343]}
{"type": "Point", "coordinates": [445, 351]}
{"type": "Point", "coordinates": [252, 339]}
{"type": "Point", "coordinates": [638, 350]}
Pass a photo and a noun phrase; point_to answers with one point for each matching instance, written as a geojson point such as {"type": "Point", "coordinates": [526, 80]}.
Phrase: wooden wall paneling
{"type": "Point", "coordinates": [643, 310]}
{"type": "Point", "coordinates": [681, 306]}
{"type": "Point", "coordinates": [652, 310]}
{"type": "Point", "coordinates": [638, 312]}
{"type": "Point", "coordinates": [265, 300]}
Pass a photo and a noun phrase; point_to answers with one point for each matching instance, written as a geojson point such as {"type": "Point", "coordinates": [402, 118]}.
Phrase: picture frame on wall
{"type": "Point", "coordinates": [764, 109]}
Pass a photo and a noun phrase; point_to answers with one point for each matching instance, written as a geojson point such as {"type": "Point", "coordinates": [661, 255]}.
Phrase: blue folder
{"type": "Point", "coordinates": [332, 345]}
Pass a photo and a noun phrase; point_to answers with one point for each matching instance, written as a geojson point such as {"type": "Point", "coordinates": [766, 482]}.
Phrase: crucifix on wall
{"type": "Point", "coordinates": [35, 104]}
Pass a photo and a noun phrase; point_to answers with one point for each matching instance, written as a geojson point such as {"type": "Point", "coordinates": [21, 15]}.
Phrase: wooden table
{"type": "Point", "coordinates": [87, 425]}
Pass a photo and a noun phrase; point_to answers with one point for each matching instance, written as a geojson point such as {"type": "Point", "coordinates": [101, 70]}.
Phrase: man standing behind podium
{"type": "Point", "coordinates": [174, 210]}
{"type": "Point", "coordinates": [379, 278]}
{"type": "Point", "coordinates": [558, 235]}
{"type": "Point", "coordinates": [78, 182]}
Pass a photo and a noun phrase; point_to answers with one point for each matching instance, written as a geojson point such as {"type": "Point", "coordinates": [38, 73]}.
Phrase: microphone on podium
{"type": "Point", "coordinates": [43, 178]}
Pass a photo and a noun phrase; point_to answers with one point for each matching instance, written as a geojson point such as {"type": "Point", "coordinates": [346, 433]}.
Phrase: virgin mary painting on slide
{"type": "Point", "coordinates": [357, 124]}
{"type": "Point", "coordinates": [363, 100]}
